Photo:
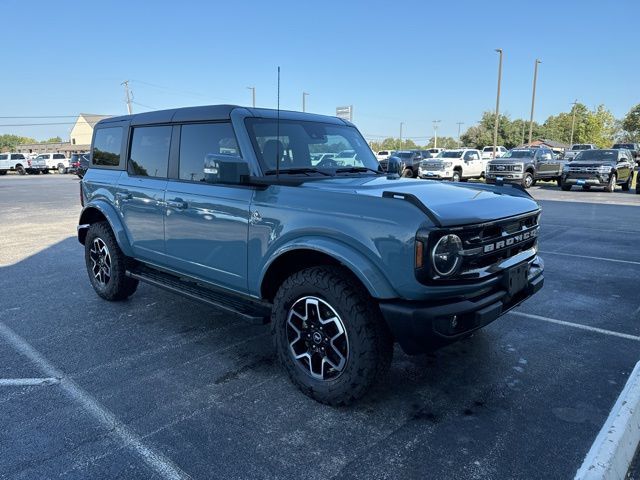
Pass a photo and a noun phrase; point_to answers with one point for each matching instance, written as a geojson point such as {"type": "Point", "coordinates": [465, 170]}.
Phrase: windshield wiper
{"type": "Point", "coordinates": [358, 169]}
{"type": "Point", "coordinates": [304, 170]}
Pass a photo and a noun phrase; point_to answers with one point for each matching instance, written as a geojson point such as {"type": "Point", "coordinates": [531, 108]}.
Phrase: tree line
{"type": "Point", "coordinates": [597, 126]}
{"type": "Point", "coordinates": [10, 142]}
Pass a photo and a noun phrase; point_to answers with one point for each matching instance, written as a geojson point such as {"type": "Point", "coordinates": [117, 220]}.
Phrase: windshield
{"type": "Point", "coordinates": [450, 154]}
{"type": "Point", "coordinates": [581, 147]}
{"type": "Point", "coordinates": [299, 141]}
{"type": "Point", "coordinates": [403, 154]}
{"type": "Point", "coordinates": [518, 154]}
{"type": "Point", "coordinates": [489, 149]}
{"type": "Point", "coordinates": [624, 145]}
{"type": "Point", "coordinates": [599, 155]}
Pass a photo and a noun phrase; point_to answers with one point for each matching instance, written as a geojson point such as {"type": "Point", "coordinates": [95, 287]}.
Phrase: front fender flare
{"type": "Point", "coordinates": [109, 212]}
{"type": "Point", "coordinates": [364, 268]}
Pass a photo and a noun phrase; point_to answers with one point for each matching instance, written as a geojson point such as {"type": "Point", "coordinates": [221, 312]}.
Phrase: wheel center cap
{"type": "Point", "coordinates": [317, 337]}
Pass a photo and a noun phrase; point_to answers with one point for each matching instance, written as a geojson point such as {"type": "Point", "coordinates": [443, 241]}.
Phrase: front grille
{"type": "Point", "coordinates": [502, 167]}
{"type": "Point", "coordinates": [431, 166]}
{"type": "Point", "coordinates": [590, 170]}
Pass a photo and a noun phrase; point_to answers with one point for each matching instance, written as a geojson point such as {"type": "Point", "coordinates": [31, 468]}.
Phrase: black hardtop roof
{"type": "Point", "coordinates": [215, 112]}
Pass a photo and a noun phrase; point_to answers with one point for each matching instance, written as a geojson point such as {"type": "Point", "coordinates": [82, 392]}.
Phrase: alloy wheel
{"type": "Point", "coordinates": [317, 338]}
{"type": "Point", "coordinates": [100, 261]}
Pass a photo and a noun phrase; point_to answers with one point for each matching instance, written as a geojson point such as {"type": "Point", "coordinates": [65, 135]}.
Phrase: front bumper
{"type": "Point", "coordinates": [506, 177]}
{"type": "Point", "coordinates": [435, 174]}
{"type": "Point", "coordinates": [597, 180]}
{"type": "Point", "coordinates": [423, 326]}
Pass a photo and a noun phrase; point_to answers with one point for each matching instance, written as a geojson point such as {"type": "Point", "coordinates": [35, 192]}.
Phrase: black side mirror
{"type": "Point", "coordinates": [228, 169]}
{"type": "Point", "coordinates": [393, 167]}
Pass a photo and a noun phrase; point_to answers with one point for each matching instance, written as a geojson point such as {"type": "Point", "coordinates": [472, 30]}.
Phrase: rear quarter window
{"type": "Point", "coordinates": [107, 147]}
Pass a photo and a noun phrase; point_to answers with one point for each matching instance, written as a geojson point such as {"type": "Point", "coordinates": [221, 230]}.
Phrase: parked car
{"type": "Point", "coordinates": [75, 162]}
{"type": "Point", "coordinates": [634, 148]}
{"type": "Point", "coordinates": [317, 158]}
{"type": "Point", "coordinates": [599, 168]}
{"type": "Point", "coordinates": [487, 152]}
{"type": "Point", "coordinates": [341, 261]}
{"type": "Point", "coordinates": [54, 161]}
{"type": "Point", "coordinates": [569, 155]}
{"type": "Point", "coordinates": [457, 165]}
{"type": "Point", "coordinates": [384, 154]}
{"type": "Point", "coordinates": [83, 165]}
{"type": "Point", "coordinates": [435, 151]}
{"type": "Point", "coordinates": [409, 161]}
{"type": "Point", "coordinates": [525, 166]}
{"type": "Point", "coordinates": [19, 163]}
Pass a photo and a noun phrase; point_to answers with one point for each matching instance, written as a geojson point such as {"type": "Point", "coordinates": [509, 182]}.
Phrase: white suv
{"type": "Point", "coordinates": [487, 152]}
{"type": "Point", "coordinates": [457, 165]}
{"type": "Point", "coordinates": [55, 161]}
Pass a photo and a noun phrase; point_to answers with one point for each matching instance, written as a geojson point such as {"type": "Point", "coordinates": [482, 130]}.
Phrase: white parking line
{"type": "Point", "coordinates": [157, 461]}
{"type": "Point", "coordinates": [631, 262]}
{"type": "Point", "coordinates": [24, 382]}
{"type": "Point", "coordinates": [577, 325]}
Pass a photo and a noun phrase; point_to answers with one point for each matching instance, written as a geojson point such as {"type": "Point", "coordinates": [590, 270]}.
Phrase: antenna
{"type": "Point", "coordinates": [278, 131]}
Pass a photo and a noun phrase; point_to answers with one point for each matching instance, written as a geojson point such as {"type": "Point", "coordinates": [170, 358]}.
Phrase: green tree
{"type": "Point", "coordinates": [53, 140]}
{"type": "Point", "coordinates": [631, 125]}
{"type": "Point", "coordinates": [9, 142]}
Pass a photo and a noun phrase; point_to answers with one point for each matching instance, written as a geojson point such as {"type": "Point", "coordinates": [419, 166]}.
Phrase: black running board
{"type": "Point", "coordinates": [245, 308]}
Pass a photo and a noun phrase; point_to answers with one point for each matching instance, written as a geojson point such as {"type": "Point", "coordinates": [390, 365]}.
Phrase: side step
{"type": "Point", "coordinates": [248, 309]}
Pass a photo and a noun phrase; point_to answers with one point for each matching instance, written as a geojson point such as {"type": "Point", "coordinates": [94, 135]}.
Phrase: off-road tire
{"type": "Point", "coordinates": [119, 286]}
{"type": "Point", "coordinates": [370, 344]}
{"type": "Point", "coordinates": [613, 181]}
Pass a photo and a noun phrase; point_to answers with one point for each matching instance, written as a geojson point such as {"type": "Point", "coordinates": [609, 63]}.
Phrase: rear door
{"type": "Point", "coordinates": [206, 224]}
{"type": "Point", "coordinates": [140, 195]}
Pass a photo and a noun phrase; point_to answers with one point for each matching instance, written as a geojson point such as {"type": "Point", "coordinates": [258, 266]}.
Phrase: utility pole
{"type": "Point", "coordinates": [573, 120]}
{"type": "Point", "coordinates": [253, 95]}
{"type": "Point", "coordinates": [304, 101]}
{"type": "Point", "coordinates": [401, 124]}
{"type": "Point", "coordinates": [459, 124]}
{"type": "Point", "coordinates": [495, 129]}
{"type": "Point", "coordinates": [128, 96]}
{"type": "Point", "coordinates": [435, 133]}
{"type": "Point", "coordinates": [523, 124]}
{"type": "Point", "coordinates": [533, 98]}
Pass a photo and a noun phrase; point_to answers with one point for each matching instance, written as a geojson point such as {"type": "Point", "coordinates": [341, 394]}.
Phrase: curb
{"type": "Point", "coordinates": [613, 450]}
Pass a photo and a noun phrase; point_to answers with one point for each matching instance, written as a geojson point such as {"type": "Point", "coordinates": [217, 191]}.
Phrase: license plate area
{"type": "Point", "coordinates": [580, 182]}
{"type": "Point", "coordinates": [516, 279]}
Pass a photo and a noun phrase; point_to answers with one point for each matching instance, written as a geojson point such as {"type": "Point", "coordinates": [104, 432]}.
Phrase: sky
{"type": "Point", "coordinates": [403, 61]}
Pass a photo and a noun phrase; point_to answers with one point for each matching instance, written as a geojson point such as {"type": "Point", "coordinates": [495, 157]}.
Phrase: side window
{"type": "Point", "coordinates": [199, 140]}
{"type": "Point", "coordinates": [467, 155]}
{"type": "Point", "coordinates": [106, 146]}
{"type": "Point", "coordinates": [4, 157]}
{"type": "Point", "coordinates": [149, 155]}
{"type": "Point", "coordinates": [17, 156]}
{"type": "Point", "coordinates": [58, 156]}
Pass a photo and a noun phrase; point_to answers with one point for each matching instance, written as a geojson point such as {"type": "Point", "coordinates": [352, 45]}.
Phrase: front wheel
{"type": "Point", "coordinates": [559, 181]}
{"type": "Point", "coordinates": [329, 335]}
{"type": "Point", "coordinates": [407, 173]}
{"type": "Point", "coordinates": [106, 264]}
{"type": "Point", "coordinates": [21, 170]}
{"type": "Point", "coordinates": [627, 185]}
{"type": "Point", "coordinates": [456, 176]}
{"type": "Point", "coordinates": [62, 170]}
{"type": "Point", "coordinates": [565, 187]}
{"type": "Point", "coordinates": [611, 186]}
{"type": "Point", "coordinates": [527, 180]}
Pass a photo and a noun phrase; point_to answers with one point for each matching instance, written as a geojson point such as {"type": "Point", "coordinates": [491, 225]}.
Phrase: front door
{"type": "Point", "coordinates": [140, 192]}
{"type": "Point", "coordinates": [206, 225]}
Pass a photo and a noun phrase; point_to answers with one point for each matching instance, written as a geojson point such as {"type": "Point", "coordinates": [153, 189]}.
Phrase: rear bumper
{"type": "Point", "coordinates": [423, 326]}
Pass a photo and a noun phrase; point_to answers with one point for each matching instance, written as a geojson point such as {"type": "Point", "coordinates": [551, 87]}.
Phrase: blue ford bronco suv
{"type": "Point", "coordinates": [234, 207]}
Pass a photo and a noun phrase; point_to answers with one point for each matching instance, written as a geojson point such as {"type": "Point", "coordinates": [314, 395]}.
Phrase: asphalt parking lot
{"type": "Point", "coordinates": [161, 387]}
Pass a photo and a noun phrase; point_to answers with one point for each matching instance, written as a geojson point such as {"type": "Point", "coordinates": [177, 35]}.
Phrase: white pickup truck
{"type": "Point", "coordinates": [17, 162]}
{"type": "Point", "coordinates": [576, 149]}
{"type": "Point", "coordinates": [457, 165]}
{"type": "Point", "coordinates": [55, 161]}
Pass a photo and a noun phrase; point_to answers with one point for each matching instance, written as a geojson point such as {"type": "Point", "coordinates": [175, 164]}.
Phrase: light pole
{"type": "Point", "coordinates": [459, 124]}
{"type": "Point", "coordinates": [304, 101]}
{"type": "Point", "coordinates": [523, 124]}
{"type": "Point", "coordinates": [253, 95]}
{"type": "Point", "coordinates": [533, 98]}
{"type": "Point", "coordinates": [435, 133]}
{"type": "Point", "coordinates": [495, 129]}
{"type": "Point", "coordinates": [401, 124]}
{"type": "Point", "coordinates": [573, 120]}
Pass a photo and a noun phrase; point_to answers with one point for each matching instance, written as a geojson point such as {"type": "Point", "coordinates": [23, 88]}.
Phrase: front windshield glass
{"type": "Point", "coordinates": [624, 145]}
{"type": "Point", "coordinates": [581, 147]}
{"type": "Point", "coordinates": [518, 154]}
{"type": "Point", "coordinates": [299, 142]}
{"type": "Point", "coordinates": [450, 154]}
{"type": "Point", "coordinates": [599, 155]}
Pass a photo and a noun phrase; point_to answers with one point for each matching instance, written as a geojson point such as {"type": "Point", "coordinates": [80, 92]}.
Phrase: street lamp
{"type": "Point", "coordinates": [573, 120]}
{"type": "Point", "coordinates": [495, 129]}
{"type": "Point", "coordinates": [253, 95]}
{"type": "Point", "coordinates": [459, 124]}
{"type": "Point", "coordinates": [401, 124]}
{"type": "Point", "coordinates": [304, 101]}
{"type": "Point", "coordinates": [533, 98]}
{"type": "Point", "coordinates": [435, 133]}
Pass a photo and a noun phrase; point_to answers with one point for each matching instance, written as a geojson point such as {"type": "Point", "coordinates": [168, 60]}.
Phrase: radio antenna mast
{"type": "Point", "coordinates": [278, 131]}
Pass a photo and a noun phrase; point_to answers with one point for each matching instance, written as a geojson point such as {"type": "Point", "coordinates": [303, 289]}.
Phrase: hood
{"type": "Point", "coordinates": [591, 163]}
{"type": "Point", "coordinates": [447, 204]}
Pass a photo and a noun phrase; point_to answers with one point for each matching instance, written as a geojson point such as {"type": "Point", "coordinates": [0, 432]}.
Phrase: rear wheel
{"type": "Point", "coordinates": [106, 264]}
{"type": "Point", "coordinates": [3, 172]}
{"type": "Point", "coordinates": [45, 171]}
{"type": "Point", "coordinates": [586, 187]}
{"type": "Point", "coordinates": [62, 170]}
{"type": "Point", "coordinates": [329, 335]}
{"type": "Point", "coordinates": [611, 186]}
{"type": "Point", "coordinates": [565, 187]}
{"type": "Point", "coordinates": [559, 181]}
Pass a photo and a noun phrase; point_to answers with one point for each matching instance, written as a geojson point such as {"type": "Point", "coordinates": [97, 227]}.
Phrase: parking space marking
{"type": "Point", "coordinates": [577, 325]}
{"type": "Point", "coordinates": [631, 262]}
{"type": "Point", "coordinates": [163, 466]}
{"type": "Point", "coordinates": [25, 382]}
{"type": "Point", "coordinates": [568, 227]}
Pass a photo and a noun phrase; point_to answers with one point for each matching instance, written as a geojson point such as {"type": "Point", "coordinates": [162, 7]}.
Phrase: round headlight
{"type": "Point", "coordinates": [446, 256]}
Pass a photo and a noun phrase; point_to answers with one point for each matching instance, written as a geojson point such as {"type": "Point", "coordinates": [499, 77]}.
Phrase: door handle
{"type": "Point", "coordinates": [124, 195]}
{"type": "Point", "coordinates": [177, 203]}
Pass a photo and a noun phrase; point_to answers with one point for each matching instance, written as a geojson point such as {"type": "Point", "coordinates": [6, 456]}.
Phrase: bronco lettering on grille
{"type": "Point", "coordinates": [510, 242]}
